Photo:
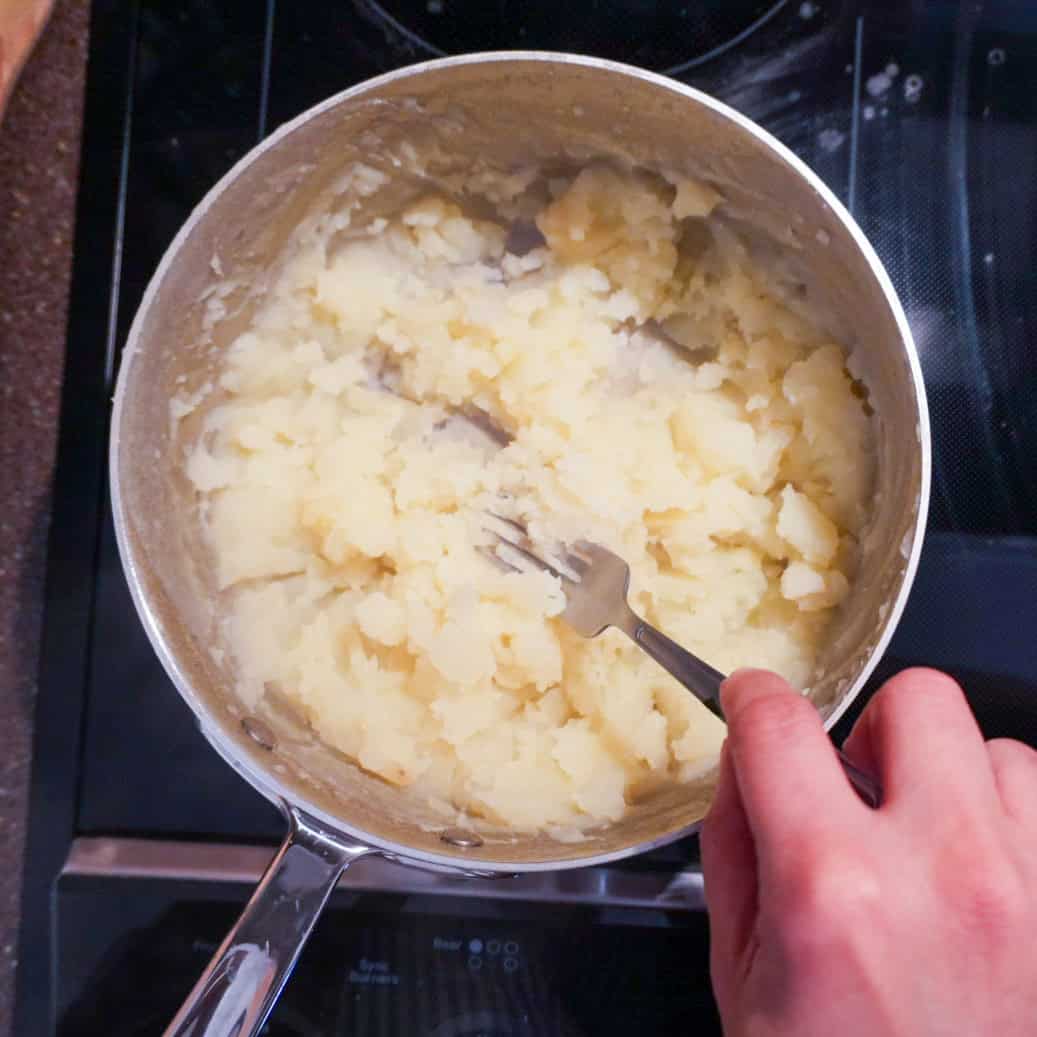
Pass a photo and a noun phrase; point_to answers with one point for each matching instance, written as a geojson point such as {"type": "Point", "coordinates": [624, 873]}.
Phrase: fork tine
{"type": "Point", "coordinates": [576, 563]}
{"type": "Point", "coordinates": [536, 560]}
{"type": "Point", "coordinates": [517, 538]}
{"type": "Point", "coordinates": [511, 524]}
{"type": "Point", "coordinates": [587, 551]}
{"type": "Point", "coordinates": [591, 554]}
{"type": "Point", "coordinates": [519, 549]}
{"type": "Point", "coordinates": [516, 534]}
{"type": "Point", "coordinates": [500, 563]}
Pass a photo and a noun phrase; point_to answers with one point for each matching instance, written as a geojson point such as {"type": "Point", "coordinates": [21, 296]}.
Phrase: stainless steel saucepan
{"type": "Point", "coordinates": [431, 123]}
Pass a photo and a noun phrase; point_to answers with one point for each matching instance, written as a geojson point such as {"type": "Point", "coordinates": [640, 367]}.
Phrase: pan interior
{"type": "Point", "coordinates": [495, 115]}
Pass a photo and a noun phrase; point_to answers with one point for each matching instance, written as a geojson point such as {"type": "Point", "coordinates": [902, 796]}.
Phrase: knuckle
{"type": "Point", "coordinates": [1015, 756]}
{"type": "Point", "coordinates": [807, 942]}
{"type": "Point", "coordinates": [825, 902]}
{"type": "Point", "coordinates": [776, 717]}
{"type": "Point", "coordinates": [920, 682]}
{"type": "Point", "coordinates": [991, 897]}
{"type": "Point", "coordinates": [994, 906]}
{"type": "Point", "coordinates": [1015, 772]}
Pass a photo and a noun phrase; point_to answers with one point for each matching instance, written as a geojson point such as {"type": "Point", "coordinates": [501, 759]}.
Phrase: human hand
{"type": "Point", "coordinates": [917, 919]}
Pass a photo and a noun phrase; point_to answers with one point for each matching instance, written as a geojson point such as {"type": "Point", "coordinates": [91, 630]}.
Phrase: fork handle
{"type": "Point", "coordinates": [697, 676]}
{"type": "Point", "coordinates": [704, 683]}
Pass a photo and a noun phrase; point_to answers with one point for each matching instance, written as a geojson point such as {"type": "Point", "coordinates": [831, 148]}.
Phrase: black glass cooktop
{"type": "Point", "coordinates": [665, 37]}
{"type": "Point", "coordinates": [383, 965]}
{"type": "Point", "coordinates": [920, 116]}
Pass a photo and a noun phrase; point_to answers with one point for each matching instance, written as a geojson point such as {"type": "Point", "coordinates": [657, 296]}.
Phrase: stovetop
{"type": "Point", "coordinates": [920, 116]}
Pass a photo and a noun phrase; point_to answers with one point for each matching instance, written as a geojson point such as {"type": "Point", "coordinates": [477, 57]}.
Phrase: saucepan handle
{"type": "Point", "coordinates": [240, 985]}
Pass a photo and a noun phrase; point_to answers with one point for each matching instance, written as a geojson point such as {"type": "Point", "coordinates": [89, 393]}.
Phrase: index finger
{"type": "Point", "coordinates": [789, 777]}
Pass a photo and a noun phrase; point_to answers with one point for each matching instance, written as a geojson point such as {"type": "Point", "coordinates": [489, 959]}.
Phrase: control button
{"type": "Point", "coordinates": [511, 964]}
{"type": "Point", "coordinates": [493, 947]}
{"type": "Point", "coordinates": [511, 947]}
{"type": "Point", "coordinates": [475, 946]}
{"type": "Point", "coordinates": [474, 963]}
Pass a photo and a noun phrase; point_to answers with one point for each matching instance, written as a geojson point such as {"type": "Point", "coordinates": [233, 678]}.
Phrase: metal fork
{"type": "Point", "coordinates": [596, 582]}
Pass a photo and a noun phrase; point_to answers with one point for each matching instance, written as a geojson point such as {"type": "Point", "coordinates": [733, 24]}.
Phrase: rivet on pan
{"type": "Point", "coordinates": [259, 732]}
{"type": "Point", "coordinates": [460, 837]}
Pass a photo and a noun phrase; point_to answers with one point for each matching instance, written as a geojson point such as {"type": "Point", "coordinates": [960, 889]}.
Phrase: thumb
{"type": "Point", "coordinates": [729, 871]}
{"type": "Point", "coordinates": [789, 778]}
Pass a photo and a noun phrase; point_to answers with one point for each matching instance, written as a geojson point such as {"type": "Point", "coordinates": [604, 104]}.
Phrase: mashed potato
{"type": "Point", "coordinates": [631, 381]}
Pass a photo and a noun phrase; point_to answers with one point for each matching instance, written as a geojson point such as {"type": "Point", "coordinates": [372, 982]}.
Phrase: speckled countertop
{"type": "Point", "coordinates": [39, 152]}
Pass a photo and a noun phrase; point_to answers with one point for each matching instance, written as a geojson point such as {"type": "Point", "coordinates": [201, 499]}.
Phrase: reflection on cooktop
{"type": "Point", "coordinates": [393, 966]}
{"type": "Point", "coordinates": [669, 36]}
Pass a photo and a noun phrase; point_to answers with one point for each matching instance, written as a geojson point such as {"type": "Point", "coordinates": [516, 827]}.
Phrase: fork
{"type": "Point", "coordinates": [595, 582]}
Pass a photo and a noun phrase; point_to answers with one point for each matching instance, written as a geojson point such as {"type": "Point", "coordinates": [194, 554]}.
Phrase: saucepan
{"type": "Point", "coordinates": [494, 113]}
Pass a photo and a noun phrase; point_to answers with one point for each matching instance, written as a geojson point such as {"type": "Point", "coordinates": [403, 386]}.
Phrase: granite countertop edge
{"type": "Point", "coordinates": [39, 154]}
